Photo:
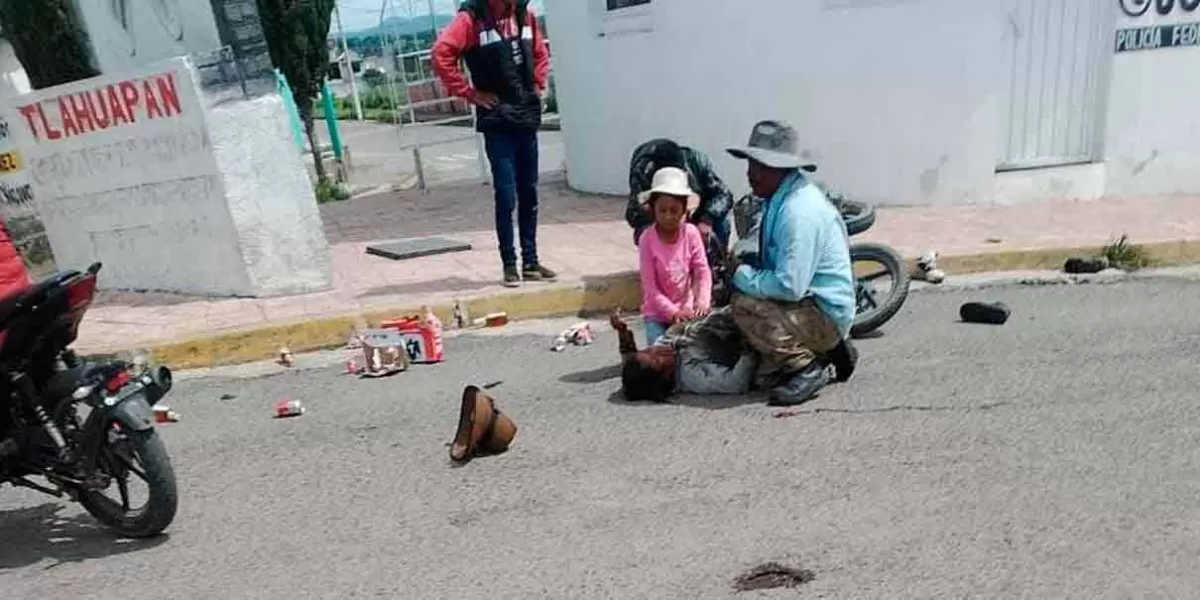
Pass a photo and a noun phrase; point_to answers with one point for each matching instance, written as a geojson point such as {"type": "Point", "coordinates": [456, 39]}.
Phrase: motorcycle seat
{"type": "Point", "coordinates": [12, 304]}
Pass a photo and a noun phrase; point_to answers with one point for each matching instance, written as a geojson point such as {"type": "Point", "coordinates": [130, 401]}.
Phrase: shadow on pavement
{"type": "Point", "coordinates": [717, 402]}
{"type": "Point", "coordinates": [599, 375]}
{"type": "Point", "coordinates": [31, 535]}
{"type": "Point", "coordinates": [690, 401]}
{"type": "Point", "coordinates": [444, 284]}
{"type": "Point", "coordinates": [455, 208]}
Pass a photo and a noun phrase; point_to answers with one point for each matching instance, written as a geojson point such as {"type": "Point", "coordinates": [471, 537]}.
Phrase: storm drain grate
{"type": "Point", "coordinates": [772, 575]}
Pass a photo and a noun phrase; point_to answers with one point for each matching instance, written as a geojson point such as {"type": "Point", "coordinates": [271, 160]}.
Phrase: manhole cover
{"type": "Point", "coordinates": [772, 575]}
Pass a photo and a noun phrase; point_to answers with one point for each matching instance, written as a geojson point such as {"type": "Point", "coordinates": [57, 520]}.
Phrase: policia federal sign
{"type": "Point", "coordinates": [1158, 36]}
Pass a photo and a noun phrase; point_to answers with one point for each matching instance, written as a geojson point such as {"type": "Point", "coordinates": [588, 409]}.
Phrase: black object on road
{"type": "Point", "coordinates": [985, 313]}
{"type": "Point", "coordinates": [1077, 265]}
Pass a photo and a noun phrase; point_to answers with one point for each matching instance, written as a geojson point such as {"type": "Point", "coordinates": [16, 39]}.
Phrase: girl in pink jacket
{"type": "Point", "coordinates": [676, 279]}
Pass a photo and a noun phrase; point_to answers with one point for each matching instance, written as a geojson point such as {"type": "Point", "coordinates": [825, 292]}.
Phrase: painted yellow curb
{"type": "Point", "coordinates": [594, 296]}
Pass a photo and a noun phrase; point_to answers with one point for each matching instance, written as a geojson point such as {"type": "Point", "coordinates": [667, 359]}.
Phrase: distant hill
{"type": "Point", "coordinates": [399, 26]}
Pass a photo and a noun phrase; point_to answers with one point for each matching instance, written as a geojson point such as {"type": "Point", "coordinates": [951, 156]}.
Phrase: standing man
{"type": "Point", "coordinates": [715, 198]}
{"type": "Point", "coordinates": [796, 305]}
{"type": "Point", "coordinates": [510, 64]}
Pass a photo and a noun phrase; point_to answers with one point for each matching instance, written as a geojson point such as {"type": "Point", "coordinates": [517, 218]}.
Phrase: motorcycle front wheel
{"type": "Point", "coordinates": [132, 457]}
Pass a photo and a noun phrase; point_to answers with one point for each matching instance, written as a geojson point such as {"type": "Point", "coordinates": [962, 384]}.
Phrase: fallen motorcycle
{"type": "Point", "coordinates": [873, 310]}
{"type": "Point", "coordinates": [85, 428]}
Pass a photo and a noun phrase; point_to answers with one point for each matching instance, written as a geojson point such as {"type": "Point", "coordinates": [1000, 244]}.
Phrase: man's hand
{"type": "Point", "coordinates": [618, 325]}
{"type": "Point", "coordinates": [485, 100]}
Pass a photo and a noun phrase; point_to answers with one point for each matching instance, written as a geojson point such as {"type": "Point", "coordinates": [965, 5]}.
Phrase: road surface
{"type": "Point", "coordinates": [376, 150]}
{"type": "Point", "coordinates": [1055, 456]}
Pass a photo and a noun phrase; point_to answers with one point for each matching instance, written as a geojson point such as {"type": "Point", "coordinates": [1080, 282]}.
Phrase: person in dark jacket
{"type": "Point", "coordinates": [715, 197]}
{"type": "Point", "coordinates": [510, 66]}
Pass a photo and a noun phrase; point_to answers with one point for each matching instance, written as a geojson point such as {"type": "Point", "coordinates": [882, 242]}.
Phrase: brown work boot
{"type": "Point", "coordinates": [538, 272]}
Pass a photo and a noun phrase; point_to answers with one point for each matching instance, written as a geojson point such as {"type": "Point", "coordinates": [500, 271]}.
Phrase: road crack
{"type": "Point", "coordinates": [887, 409]}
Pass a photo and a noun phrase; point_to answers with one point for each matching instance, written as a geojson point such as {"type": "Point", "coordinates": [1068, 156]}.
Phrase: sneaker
{"type": "Point", "coordinates": [538, 273]}
{"type": "Point", "coordinates": [512, 278]}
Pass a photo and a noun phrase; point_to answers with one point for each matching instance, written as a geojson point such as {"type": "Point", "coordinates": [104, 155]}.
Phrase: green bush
{"type": "Point", "coordinates": [330, 192]}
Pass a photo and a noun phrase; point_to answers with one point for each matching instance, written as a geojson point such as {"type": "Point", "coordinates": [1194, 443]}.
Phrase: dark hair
{"type": "Point", "coordinates": [667, 154]}
{"type": "Point", "coordinates": [642, 383]}
{"type": "Point", "coordinates": [652, 201]}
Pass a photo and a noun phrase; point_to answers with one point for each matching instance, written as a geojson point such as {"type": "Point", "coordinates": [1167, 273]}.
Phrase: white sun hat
{"type": "Point", "coordinates": [671, 181]}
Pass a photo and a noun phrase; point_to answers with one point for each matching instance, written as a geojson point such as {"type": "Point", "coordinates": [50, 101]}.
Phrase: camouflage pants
{"type": "Point", "coordinates": [788, 335]}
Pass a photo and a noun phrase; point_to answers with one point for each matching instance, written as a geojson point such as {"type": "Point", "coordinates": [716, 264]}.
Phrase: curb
{"type": "Point", "coordinates": [593, 296]}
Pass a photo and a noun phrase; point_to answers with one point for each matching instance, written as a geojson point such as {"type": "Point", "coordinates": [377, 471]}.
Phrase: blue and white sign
{"type": "Point", "coordinates": [1158, 36]}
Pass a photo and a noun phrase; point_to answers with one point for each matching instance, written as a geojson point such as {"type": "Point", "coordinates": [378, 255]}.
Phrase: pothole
{"type": "Point", "coordinates": [771, 576]}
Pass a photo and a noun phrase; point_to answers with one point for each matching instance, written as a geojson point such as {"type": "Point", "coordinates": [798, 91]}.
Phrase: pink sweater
{"type": "Point", "coordinates": [674, 276]}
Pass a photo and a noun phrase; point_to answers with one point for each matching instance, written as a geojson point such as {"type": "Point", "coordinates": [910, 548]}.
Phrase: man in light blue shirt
{"type": "Point", "coordinates": [796, 302]}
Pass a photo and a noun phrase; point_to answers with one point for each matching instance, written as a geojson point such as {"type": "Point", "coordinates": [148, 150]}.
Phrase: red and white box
{"type": "Point", "coordinates": [422, 340]}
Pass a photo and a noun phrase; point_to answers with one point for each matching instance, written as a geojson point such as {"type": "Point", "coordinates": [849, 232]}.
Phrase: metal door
{"type": "Point", "coordinates": [1055, 52]}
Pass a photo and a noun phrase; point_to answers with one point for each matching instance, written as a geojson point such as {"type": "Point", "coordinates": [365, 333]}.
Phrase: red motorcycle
{"type": "Point", "coordinates": [85, 428]}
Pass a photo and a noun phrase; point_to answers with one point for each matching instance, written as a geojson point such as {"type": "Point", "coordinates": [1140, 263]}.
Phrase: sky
{"type": "Point", "coordinates": [361, 14]}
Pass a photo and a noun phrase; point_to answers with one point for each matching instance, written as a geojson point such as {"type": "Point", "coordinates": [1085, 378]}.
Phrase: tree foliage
{"type": "Point", "coordinates": [49, 40]}
{"type": "Point", "coordinates": [296, 33]}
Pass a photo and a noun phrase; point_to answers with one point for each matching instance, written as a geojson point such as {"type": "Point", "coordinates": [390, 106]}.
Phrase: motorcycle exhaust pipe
{"type": "Point", "coordinates": [158, 382]}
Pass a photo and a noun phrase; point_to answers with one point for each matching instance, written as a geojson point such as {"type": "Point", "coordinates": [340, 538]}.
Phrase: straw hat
{"type": "Point", "coordinates": [671, 181]}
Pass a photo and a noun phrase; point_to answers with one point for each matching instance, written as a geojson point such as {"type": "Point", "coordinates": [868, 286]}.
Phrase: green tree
{"type": "Point", "coordinates": [48, 39]}
{"type": "Point", "coordinates": [296, 31]}
{"type": "Point", "coordinates": [374, 78]}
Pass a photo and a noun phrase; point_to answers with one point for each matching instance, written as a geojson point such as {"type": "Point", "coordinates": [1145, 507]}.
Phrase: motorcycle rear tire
{"type": "Point", "coordinates": [151, 519]}
{"type": "Point", "coordinates": [859, 216]}
{"type": "Point", "coordinates": [892, 261]}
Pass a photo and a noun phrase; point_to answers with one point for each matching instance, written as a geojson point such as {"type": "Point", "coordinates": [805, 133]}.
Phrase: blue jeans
{"type": "Point", "coordinates": [654, 330]}
{"type": "Point", "coordinates": [514, 159]}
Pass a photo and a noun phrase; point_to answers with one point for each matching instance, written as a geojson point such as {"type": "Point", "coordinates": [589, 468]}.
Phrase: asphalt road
{"type": "Point", "coordinates": [1056, 456]}
{"type": "Point", "coordinates": [378, 158]}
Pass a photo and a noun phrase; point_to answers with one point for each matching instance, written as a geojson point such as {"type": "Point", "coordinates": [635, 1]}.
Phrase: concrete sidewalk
{"type": "Point", "coordinates": [585, 238]}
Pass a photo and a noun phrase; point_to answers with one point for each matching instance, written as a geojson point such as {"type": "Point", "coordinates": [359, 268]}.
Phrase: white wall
{"type": "Point", "coordinates": [270, 197]}
{"type": "Point", "coordinates": [144, 197]}
{"type": "Point", "coordinates": [895, 99]}
{"type": "Point", "coordinates": [152, 30]}
{"type": "Point", "coordinates": [1152, 141]}
{"type": "Point", "coordinates": [899, 101]}
{"type": "Point", "coordinates": [174, 198]}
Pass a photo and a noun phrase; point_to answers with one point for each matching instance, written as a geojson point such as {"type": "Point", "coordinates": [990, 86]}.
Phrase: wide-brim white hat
{"type": "Point", "coordinates": [671, 181]}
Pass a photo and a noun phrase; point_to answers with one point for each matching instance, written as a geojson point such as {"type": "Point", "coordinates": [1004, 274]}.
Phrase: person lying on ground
{"type": "Point", "coordinates": [705, 356]}
{"type": "Point", "coordinates": [676, 280]}
{"type": "Point", "coordinates": [716, 200]}
{"type": "Point", "coordinates": [795, 301]}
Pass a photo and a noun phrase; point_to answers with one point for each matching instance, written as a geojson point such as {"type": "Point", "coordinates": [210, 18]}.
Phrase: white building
{"type": "Point", "coordinates": [898, 101]}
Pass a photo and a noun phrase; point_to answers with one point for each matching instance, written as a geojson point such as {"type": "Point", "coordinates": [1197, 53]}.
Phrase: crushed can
{"type": "Point", "coordinates": [288, 408]}
{"type": "Point", "coordinates": [352, 367]}
{"type": "Point", "coordinates": [498, 319]}
{"type": "Point", "coordinates": [163, 414]}
{"type": "Point", "coordinates": [285, 357]}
